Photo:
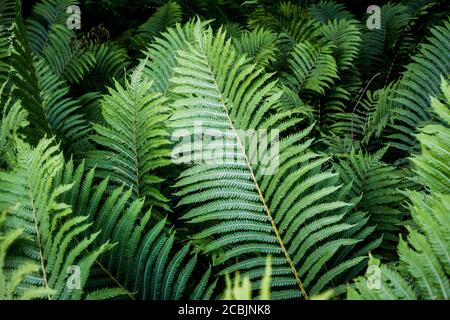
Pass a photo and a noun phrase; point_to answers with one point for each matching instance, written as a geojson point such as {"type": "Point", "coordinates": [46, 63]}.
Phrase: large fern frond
{"type": "Point", "coordinates": [43, 94]}
{"type": "Point", "coordinates": [244, 208]}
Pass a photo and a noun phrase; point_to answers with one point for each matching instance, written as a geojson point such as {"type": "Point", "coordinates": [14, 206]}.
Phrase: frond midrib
{"type": "Point", "coordinates": [38, 235]}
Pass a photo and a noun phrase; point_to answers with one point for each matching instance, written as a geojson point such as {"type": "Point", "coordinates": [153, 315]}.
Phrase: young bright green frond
{"type": "Point", "coordinates": [53, 236]}
{"type": "Point", "coordinates": [134, 139]}
{"type": "Point", "coordinates": [13, 119]}
{"type": "Point", "coordinates": [424, 256]}
{"type": "Point", "coordinates": [237, 290]}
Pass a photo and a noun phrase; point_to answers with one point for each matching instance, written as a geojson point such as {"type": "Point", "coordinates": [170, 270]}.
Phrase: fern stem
{"type": "Point", "coordinates": [359, 100]}
{"type": "Point", "coordinates": [38, 239]}
{"type": "Point", "coordinates": [109, 274]}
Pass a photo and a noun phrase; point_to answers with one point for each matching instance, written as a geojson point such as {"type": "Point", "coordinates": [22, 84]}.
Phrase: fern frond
{"type": "Point", "coordinates": [162, 55]}
{"type": "Point", "coordinates": [379, 186]}
{"type": "Point", "coordinates": [345, 36]}
{"type": "Point", "coordinates": [368, 119]}
{"type": "Point", "coordinates": [45, 16]}
{"type": "Point", "coordinates": [7, 13]}
{"type": "Point", "coordinates": [293, 24]}
{"type": "Point", "coordinates": [48, 225]}
{"type": "Point", "coordinates": [432, 165]}
{"type": "Point", "coordinates": [4, 54]}
{"type": "Point", "coordinates": [377, 43]}
{"type": "Point", "coordinates": [65, 55]}
{"type": "Point", "coordinates": [146, 261]}
{"type": "Point", "coordinates": [242, 208]}
{"type": "Point", "coordinates": [326, 11]}
{"type": "Point", "coordinates": [134, 140]}
{"type": "Point", "coordinates": [111, 62]}
{"type": "Point", "coordinates": [13, 119]}
{"type": "Point", "coordinates": [43, 95]}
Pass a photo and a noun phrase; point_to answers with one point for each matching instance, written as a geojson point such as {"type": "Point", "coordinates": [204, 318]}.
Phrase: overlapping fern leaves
{"type": "Point", "coordinates": [44, 96]}
{"type": "Point", "coordinates": [12, 278]}
{"type": "Point", "coordinates": [163, 158]}
{"type": "Point", "coordinates": [421, 81]}
{"type": "Point", "coordinates": [379, 186]}
{"type": "Point", "coordinates": [51, 231]}
{"type": "Point", "coordinates": [146, 261]}
{"type": "Point", "coordinates": [424, 271]}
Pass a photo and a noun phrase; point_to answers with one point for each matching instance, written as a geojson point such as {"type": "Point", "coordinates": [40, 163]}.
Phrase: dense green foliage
{"type": "Point", "coordinates": [108, 190]}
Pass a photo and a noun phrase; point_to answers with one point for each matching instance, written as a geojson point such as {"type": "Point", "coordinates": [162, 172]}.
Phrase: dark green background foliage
{"type": "Point", "coordinates": [87, 126]}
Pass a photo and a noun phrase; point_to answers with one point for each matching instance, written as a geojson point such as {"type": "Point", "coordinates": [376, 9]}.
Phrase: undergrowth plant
{"type": "Point", "coordinates": [224, 150]}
